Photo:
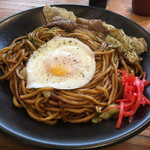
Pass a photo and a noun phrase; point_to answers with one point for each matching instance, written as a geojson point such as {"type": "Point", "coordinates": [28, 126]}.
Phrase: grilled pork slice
{"type": "Point", "coordinates": [92, 24]}
{"type": "Point", "coordinates": [62, 22]}
{"type": "Point", "coordinates": [68, 21]}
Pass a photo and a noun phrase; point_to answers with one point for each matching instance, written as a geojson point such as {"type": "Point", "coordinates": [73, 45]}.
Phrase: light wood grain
{"type": "Point", "coordinates": [10, 7]}
{"type": "Point", "coordinates": [123, 7]}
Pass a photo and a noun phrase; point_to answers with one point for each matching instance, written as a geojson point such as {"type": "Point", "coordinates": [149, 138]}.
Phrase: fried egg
{"type": "Point", "coordinates": [61, 63]}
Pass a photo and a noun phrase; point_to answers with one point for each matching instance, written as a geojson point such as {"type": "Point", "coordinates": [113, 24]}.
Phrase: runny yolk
{"type": "Point", "coordinates": [58, 70]}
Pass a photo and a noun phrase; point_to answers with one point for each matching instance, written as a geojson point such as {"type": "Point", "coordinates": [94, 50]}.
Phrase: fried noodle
{"type": "Point", "coordinates": [73, 106]}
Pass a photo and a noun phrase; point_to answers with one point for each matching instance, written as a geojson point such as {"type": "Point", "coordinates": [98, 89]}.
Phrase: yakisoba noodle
{"type": "Point", "coordinates": [73, 106]}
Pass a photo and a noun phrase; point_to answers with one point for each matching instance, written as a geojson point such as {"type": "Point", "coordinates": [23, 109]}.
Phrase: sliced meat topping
{"type": "Point", "coordinates": [92, 24]}
{"type": "Point", "coordinates": [62, 22]}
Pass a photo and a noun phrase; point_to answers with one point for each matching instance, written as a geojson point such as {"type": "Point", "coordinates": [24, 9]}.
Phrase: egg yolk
{"type": "Point", "coordinates": [58, 70]}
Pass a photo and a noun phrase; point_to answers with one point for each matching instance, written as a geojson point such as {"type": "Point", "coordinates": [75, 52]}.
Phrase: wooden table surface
{"type": "Point", "coordinates": [123, 7]}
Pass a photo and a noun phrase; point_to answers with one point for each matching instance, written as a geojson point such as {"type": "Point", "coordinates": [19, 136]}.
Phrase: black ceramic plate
{"type": "Point", "coordinates": [17, 124]}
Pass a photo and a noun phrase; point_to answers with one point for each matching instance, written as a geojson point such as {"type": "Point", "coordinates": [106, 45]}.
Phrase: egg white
{"type": "Point", "coordinates": [75, 57]}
